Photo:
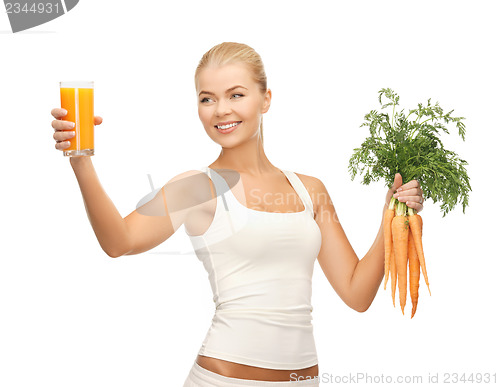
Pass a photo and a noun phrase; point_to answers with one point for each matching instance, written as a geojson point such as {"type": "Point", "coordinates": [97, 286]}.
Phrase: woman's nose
{"type": "Point", "coordinates": [222, 108]}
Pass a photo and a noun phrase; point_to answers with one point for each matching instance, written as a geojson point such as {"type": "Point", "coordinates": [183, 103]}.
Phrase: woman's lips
{"type": "Point", "coordinates": [228, 130]}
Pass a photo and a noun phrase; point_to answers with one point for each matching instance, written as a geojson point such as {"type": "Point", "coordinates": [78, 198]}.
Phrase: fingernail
{"type": "Point", "coordinates": [396, 195]}
{"type": "Point", "coordinates": [72, 134]}
{"type": "Point", "coordinates": [65, 112]}
{"type": "Point", "coordinates": [399, 189]}
{"type": "Point", "coordinates": [72, 124]}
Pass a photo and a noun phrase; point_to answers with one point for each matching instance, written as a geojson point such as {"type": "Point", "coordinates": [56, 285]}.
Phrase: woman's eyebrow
{"type": "Point", "coordinates": [227, 91]}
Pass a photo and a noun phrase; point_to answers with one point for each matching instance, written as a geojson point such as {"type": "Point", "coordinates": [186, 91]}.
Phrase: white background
{"type": "Point", "coordinates": [72, 316]}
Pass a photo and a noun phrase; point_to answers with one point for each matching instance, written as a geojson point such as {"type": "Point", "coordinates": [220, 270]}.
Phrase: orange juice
{"type": "Point", "coordinates": [78, 99]}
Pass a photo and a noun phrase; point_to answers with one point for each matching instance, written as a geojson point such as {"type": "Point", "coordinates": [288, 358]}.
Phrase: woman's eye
{"type": "Point", "coordinates": [203, 100]}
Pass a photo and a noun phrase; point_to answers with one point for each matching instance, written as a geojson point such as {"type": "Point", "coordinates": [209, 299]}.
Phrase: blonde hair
{"type": "Point", "coordinates": [231, 52]}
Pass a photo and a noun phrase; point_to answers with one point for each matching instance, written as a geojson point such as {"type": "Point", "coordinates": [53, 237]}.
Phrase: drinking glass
{"type": "Point", "coordinates": [77, 97]}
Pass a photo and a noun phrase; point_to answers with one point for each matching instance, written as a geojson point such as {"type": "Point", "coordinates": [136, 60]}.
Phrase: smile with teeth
{"type": "Point", "coordinates": [228, 126]}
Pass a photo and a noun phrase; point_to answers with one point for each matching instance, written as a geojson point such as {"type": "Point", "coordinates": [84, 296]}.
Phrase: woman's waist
{"type": "Point", "coordinates": [269, 340]}
{"type": "Point", "coordinates": [266, 343]}
{"type": "Point", "coordinates": [292, 312]}
{"type": "Point", "coordinates": [263, 300]}
{"type": "Point", "coordinates": [260, 318]}
{"type": "Point", "coordinates": [243, 371]}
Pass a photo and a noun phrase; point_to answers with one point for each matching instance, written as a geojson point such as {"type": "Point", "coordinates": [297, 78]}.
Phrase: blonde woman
{"type": "Point", "coordinates": [256, 228]}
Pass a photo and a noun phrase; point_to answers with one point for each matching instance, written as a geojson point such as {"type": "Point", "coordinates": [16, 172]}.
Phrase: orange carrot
{"type": "Point", "coordinates": [394, 277]}
{"type": "Point", "coordinates": [388, 216]}
{"type": "Point", "coordinates": [416, 226]}
{"type": "Point", "coordinates": [414, 266]}
{"type": "Point", "coordinates": [400, 230]}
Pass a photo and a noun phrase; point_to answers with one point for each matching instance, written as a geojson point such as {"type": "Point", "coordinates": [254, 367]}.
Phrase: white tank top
{"type": "Point", "coordinates": [260, 267]}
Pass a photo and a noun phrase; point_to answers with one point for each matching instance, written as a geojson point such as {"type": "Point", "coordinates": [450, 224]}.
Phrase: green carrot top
{"type": "Point", "coordinates": [410, 144]}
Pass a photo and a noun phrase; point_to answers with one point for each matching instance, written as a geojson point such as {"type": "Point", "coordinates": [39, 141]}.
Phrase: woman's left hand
{"type": "Point", "coordinates": [410, 193]}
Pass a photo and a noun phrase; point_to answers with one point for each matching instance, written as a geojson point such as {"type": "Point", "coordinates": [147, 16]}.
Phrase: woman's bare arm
{"type": "Point", "coordinates": [355, 281]}
{"type": "Point", "coordinates": [148, 225]}
{"type": "Point", "coordinates": [109, 226]}
{"type": "Point", "coordinates": [159, 218]}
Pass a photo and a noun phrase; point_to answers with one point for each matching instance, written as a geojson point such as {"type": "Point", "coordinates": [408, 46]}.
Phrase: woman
{"type": "Point", "coordinates": [258, 249]}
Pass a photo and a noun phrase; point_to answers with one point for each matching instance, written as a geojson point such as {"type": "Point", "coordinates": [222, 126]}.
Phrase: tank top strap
{"type": "Point", "coordinates": [301, 190]}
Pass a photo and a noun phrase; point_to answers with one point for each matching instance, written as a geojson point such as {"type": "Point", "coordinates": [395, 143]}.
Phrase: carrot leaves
{"type": "Point", "coordinates": [410, 144]}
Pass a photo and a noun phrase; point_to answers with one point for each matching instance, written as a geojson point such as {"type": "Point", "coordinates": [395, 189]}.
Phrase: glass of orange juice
{"type": "Point", "coordinates": [78, 99]}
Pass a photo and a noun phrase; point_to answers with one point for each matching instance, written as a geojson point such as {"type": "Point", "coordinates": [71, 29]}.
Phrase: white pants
{"type": "Point", "coordinates": [201, 377]}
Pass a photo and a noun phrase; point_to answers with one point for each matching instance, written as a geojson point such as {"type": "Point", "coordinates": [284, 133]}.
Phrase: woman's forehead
{"type": "Point", "coordinates": [225, 76]}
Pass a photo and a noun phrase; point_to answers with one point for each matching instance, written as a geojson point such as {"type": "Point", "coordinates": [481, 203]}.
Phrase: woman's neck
{"type": "Point", "coordinates": [248, 158]}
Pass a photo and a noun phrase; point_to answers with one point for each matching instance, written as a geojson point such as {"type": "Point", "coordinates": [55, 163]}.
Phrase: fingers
{"type": "Point", "coordinates": [66, 125]}
{"type": "Point", "coordinates": [411, 194]}
{"type": "Point", "coordinates": [58, 112]}
{"type": "Point", "coordinates": [398, 180]}
{"type": "Point", "coordinates": [62, 145]}
{"type": "Point", "coordinates": [63, 135]}
{"type": "Point", "coordinates": [62, 139]}
{"type": "Point", "coordinates": [409, 185]}
{"type": "Point", "coordinates": [415, 202]}
{"type": "Point", "coordinates": [413, 199]}
{"type": "Point", "coordinates": [62, 129]}
{"type": "Point", "coordinates": [62, 125]}
{"type": "Point", "coordinates": [417, 206]}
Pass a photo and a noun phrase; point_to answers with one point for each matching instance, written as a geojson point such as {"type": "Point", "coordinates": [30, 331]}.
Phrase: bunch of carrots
{"type": "Point", "coordinates": [403, 252]}
{"type": "Point", "coordinates": [408, 143]}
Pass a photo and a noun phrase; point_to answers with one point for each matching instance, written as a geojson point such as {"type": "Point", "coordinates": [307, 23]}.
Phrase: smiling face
{"type": "Point", "coordinates": [230, 103]}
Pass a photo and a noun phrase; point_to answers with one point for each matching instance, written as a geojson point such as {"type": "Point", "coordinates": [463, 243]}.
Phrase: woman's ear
{"type": "Point", "coordinates": [267, 101]}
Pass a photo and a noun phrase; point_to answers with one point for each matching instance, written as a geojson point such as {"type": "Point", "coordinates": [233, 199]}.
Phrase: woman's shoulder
{"type": "Point", "coordinates": [314, 187]}
{"type": "Point", "coordinates": [194, 183]}
{"type": "Point", "coordinates": [189, 177]}
{"type": "Point", "coordinates": [312, 183]}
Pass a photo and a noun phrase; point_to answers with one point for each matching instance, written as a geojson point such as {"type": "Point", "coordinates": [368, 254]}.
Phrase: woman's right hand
{"type": "Point", "coordinates": [63, 128]}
